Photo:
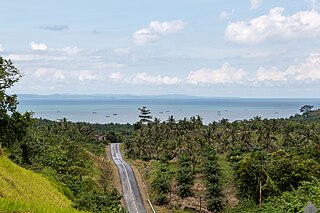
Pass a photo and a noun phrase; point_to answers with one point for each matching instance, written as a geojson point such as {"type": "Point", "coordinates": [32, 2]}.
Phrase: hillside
{"type": "Point", "coordinates": [24, 190]}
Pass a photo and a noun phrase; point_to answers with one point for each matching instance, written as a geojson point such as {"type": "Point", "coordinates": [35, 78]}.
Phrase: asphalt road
{"type": "Point", "coordinates": [130, 190]}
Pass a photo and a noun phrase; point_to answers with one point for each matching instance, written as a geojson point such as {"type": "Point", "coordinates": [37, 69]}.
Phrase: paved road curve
{"type": "Point", "coordinates": [129, 184]}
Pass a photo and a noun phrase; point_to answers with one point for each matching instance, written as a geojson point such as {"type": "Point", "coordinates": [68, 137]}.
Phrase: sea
{"type": "Point", "coordinates": [126, 110]}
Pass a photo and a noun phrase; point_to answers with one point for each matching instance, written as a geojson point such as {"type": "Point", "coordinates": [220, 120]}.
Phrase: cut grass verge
{"type": "Point", "coordinates": [8, 205]}
{"type": "Point", "coordinates": [22, 190]}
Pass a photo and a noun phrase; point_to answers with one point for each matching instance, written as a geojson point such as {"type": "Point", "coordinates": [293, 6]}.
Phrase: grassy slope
{"type": "Point", "coordinates": [23, 190]}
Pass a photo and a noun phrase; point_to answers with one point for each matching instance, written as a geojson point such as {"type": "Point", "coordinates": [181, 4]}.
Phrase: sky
{"type": "Point", "coordinates": [229, 48]}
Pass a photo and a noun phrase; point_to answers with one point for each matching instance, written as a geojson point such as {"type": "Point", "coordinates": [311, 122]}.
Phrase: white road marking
{"type": "Point", "coordinates": [119, 159]}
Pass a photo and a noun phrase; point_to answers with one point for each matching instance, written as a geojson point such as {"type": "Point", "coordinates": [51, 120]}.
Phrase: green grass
{"type": "Point", "coordinates": [227, 173]}
{"type": "Point", "coordinates": [8, 205]}
{"type": "Point", "coordinates": [227, 181]}
{"type": "Point", "coordinates": [22, 190]}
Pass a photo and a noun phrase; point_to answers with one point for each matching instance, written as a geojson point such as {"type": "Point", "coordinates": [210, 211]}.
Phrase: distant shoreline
{"type": "Point", "coordinates": [125, 110]}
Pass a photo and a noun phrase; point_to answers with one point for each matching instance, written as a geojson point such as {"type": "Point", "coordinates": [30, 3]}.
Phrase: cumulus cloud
{"type": "Point", "coordinates": [115, 76]}
{"type": "Point", "coordinates": [59, 76]}
{"type": "Point", "coordinates": [86, 75]}
{"type": "Point", "coordinates": [49, 73]}
{"type": "Point", "coordinates": [55, 27]}
{"type": "Point", "coordinates": [156, 30]}
{"type": "Point", "coordinates": [1, 48]}
{"type": "Point", "coordinates": [272, 74]}
{"type": "Point", "coordinates": [255, 4]}
{"type": "Point", "coordinates": [225, 74]}
{"type": "Point", "coordinates": [306, 70]}
{"type": "Point", "coordinates": [40, 46]}
{"type": "Point", "coordinates": [226, 14]}
{"type": "Point", "coordinates": [274, 25]}
{"type": "Point", "coordinates": [144, 78]}
{"type": "Point", "coordinates": [309, 69]}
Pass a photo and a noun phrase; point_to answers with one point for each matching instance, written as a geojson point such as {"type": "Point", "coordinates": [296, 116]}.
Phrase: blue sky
{"type": "Point", "coordinates": [245, 48]}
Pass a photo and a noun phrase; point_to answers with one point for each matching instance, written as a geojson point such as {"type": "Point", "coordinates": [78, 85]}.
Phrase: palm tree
{"type": "Point", "coordinates": [246, 137]}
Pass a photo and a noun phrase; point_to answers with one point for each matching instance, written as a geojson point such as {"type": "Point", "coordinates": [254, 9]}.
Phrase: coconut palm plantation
{"type": "Point", "coordinates": [254, 165]}
{"type": "Point", "coordinates": [164, 106]}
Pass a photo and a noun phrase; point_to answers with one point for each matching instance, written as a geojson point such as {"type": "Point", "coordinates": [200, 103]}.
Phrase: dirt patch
{"type": "Point", "coordinates": [193, 202]}
{"type": "Point", "coordinates": [141, 168]}
{"type": "Point", "coordinates": [230, 198]}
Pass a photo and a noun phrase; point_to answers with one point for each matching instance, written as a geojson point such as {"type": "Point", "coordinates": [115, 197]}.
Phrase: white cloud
{"type": "Point", "coordinates": [314, 4]}
{"type": "Point", "coordinates": [49, 73]}
{"type": "Point", "coordinates": [156, 30]}
{"type": "Point", "coordinates": [144, 78]}
{"type": "Point", "coordinates": [115, 76]}
{"type": "Point", "coordinates": [24, 57]}
{"type": "Point", "coordinates": [86, 75]}
{"type": "Point", "coordinates": [274, 25]}
{"type": "Point", "coordinates": [1, 48]}
{"type": "Point", "coordinates": [40, 72]}
{"type": "Point", "coordinates": [40, 46]}
{"type": "Point", "coordinates": [226, 14]}
{"type": "Point", "coordinates": [307, 70]}
{"type": "Point", "coordinates": [272, 74]}
{"type": "Point", "coordinates": [255, 4]}
{"type": "Point", "coordinates": [59, 75]}
{"type": "Point", "coordinates": [225, 74]}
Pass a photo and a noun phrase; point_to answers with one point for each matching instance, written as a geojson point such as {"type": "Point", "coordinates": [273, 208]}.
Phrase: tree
{"type": "Point", "coordinates": [184, 175]}
{"type": "Point", "coordinates": [145, 115]}
{"type": "Point", "coordinates": [13, 125]}
{"type": "Point", "coordinates": [306, 109]}
{"type": "Point", "coordinates": [9, 75]}
{"type": "Point", "coordinates": [213, 175]}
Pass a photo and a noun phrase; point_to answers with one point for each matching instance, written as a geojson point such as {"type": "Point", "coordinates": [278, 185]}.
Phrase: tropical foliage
{"type": "Point", "coordinates": [288, 149]}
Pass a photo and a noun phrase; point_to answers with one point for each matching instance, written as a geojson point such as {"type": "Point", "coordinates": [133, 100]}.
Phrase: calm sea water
{"type": "Point", "coordinates": [126, 110]}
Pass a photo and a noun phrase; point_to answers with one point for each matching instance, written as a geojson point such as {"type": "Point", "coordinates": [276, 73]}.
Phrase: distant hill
{"type": "Point", "coordinates": [109, 96]}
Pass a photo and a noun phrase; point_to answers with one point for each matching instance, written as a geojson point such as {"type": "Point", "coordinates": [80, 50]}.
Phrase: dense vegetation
{"type": "Point", "coordinates": [66, 153]}
{"type": "Point", "coordinates": [288, 150]}
{"type": "Point", "coordinates": [190, 162]}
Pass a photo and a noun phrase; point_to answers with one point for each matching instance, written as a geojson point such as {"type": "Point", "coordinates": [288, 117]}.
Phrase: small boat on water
{"type": "Point", "coordinates": [115, 114]}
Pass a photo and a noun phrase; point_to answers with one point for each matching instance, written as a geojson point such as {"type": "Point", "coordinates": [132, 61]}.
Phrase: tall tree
{"type": "Point", "coordinates": [184, 175]}
{"type": "Point", "coordinates": [13, 125]}
{"type": "Point", "coordinates": [9, 75]}
{"type": "Point", "coordinates": [145, 115]}
{"type": "Point", "coordinates": [306, 109]}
